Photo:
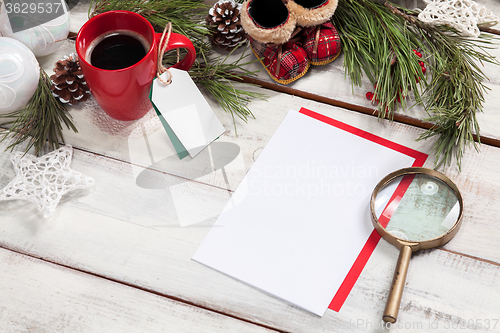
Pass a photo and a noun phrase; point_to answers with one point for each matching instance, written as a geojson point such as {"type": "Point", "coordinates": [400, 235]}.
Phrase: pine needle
{"type": "Point", "coordinates": [40, 122]}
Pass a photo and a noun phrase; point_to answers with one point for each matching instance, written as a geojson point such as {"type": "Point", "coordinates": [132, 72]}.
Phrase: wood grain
{"type": "Point", "coordinates": [51, 298]}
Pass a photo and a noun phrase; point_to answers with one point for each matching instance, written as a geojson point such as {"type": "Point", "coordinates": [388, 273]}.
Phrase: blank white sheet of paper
{"type": "Point", "coordinates": [300, 217]}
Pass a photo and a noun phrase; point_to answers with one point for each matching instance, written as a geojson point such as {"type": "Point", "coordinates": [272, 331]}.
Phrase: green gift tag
{"type": "Point", "coordinates": [179, 148]}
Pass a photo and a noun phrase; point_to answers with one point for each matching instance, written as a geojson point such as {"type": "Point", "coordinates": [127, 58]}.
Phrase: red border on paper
{"type": "Point", "coordinates": [371, 243]}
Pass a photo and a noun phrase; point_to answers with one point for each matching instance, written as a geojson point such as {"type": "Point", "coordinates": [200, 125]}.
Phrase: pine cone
{"type": "Point", "coordinates": [68, 82]}
{"type": "Point", "coordinates": [224, 19]}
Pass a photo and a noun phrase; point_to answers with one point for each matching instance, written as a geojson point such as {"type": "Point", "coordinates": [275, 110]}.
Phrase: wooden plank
{"type": "Point", "coordinates": [126, 231]}
{"type": "Point", "coordinates": [41, 297]}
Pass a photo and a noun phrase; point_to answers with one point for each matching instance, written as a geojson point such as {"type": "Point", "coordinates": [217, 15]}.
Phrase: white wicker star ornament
{"type": "Point", "coordinates": [44, 180]}
{"type": "Point", "coordinates": [463, 15]}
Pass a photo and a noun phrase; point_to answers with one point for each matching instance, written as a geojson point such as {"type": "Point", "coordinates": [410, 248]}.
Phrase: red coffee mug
{"type": "Point", "coordinates": [124, 93]}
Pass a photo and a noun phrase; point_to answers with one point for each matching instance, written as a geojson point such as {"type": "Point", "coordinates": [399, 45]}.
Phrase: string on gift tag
{"type": "Point", "coordinates": [161, 51]}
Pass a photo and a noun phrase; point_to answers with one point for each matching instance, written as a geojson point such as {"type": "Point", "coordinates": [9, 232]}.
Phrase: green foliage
{"type": "Point", "coordinates": [378, 44]}
{"type": "Point", "coordinates": [40, 121]}
{"type": "Point", "coordinates": [186, 16]}
{"type": "Point", "coordinates": [456, 91]}
{"type": "Point", "coordinates": [378, 41]}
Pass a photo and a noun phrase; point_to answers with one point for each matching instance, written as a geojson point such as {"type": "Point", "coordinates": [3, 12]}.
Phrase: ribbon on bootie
{"type": "Point", "coordinates": [316, 39]}
{"type": "Point", "coordinates": [292, 39]}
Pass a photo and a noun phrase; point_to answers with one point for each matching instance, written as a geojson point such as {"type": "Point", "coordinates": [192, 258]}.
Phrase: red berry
{"type": "Point", "coordinates": [414, 51]}
{"type": "Point", "coordinates": [418, 54]}
{"type": "Point", "coordinates": [372, 97]}
{"type": "Point", "coordinates": [421, 63]}
{"type": "Point", "coordinates": [399, 99]}
{"type": "Point", "coordinates": [418, 79]}
{"type": "Point", "coordinates": [424, 70]}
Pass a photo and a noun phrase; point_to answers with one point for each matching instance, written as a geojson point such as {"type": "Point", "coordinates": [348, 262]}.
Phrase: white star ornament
{"type": "Point", "coordinates": [44, 180]}
{"type": "Point", "coordinates": [462, 15]}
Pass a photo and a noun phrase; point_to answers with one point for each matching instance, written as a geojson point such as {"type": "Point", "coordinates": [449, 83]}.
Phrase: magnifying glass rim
{"type": "Point", "coordinates": [415, 245]}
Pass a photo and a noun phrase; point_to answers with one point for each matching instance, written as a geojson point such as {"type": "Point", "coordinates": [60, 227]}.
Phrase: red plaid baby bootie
{"type": "Point", "coordinates": [285, 63]}
{"type": "Point", "coordinates": [321, 43]}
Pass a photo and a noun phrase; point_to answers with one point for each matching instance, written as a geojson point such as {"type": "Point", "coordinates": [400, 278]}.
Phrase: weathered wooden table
{"type": "Point", "coordinates": [116, 258]}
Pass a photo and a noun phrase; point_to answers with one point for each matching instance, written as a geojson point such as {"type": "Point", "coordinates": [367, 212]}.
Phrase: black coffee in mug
{"type": "Point", "coordinates": [117, 50]}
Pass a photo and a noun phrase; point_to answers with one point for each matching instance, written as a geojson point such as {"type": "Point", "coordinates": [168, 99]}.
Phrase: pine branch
{"type": "Point", "coordinates": [40, 122]}
{"type": "Point", "coordinates": [377, 44]}
{"type": "Point", "coordinates": [456, 91]}
{"type": "Point", "coordinates": [378, 41]}
{"type": "Point", "coordinates": [186, 16]}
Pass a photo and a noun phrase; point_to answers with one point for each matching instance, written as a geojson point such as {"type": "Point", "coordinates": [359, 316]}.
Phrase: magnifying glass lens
{"type": "Point", "coordinates": [413, 209]}
{"type": "Point", "coordinates": [417, 207]}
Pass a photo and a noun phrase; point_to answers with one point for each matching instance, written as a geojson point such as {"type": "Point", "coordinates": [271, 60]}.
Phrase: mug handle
{"type": "Point", "coordinates": [178, 41]}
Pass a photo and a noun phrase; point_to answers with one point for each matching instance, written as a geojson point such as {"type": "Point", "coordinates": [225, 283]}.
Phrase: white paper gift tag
{"type": "Point", "coordinates": [187, 117]}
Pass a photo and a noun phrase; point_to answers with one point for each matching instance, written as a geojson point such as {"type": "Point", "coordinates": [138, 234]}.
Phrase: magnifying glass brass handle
{"type": "Point", "coordinates": [398, 284]}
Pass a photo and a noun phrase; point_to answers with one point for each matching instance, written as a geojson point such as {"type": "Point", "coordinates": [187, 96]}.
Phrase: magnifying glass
{"type": "Point", "coordinates": [414, 209]}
